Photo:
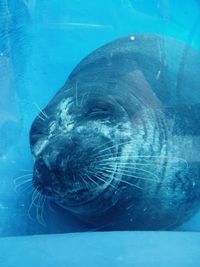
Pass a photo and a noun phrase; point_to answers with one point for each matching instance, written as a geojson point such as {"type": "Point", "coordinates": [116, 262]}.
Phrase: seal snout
{"type": "Point", "coordinates": [77, 175]}
{"type": "Point", "coordinates": [73, 163]}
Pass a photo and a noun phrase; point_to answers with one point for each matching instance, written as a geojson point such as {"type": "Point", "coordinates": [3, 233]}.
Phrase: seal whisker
{"type": "Point", "coordinates": [134, 165]}
{"type": "Point", "coordinates": [101, 179]}
{"type": "Point", "coordinates": [96, 175]}
{"type": "Point", "coordinates": [38, 205]}
{"type": "Point", "coordinates": [22, 177]}
{"type": "Point", "coordinates": [113, 186]}
{"type": "Point", "coordinates": [135, 176]}
{"type": "Point", "coordinates": [34, 196]}
{"type": "Point", "coordinates": [116, 145]}
{"type": "Point", "coordinates": [112, 156]}
{"type": "Point", "coordinates": [68, 89]}
{"type": "Point", "coordinates": [115, 155]}
{"type": "Point", "coordinates": [27, 184]}
{"type": "Point", "coordinates": [41, 117]}
{"type": "Point", "coordinates": [40, 210]}
{"type": "Point", "coordinates": [91, 179]}
{"type": "Point", "coordinates": [41, 111]}
{"type": "Point", "coordinates": [86, 183]}
{"type": "Point", "coordinates": [129, 164]}
{"type": "Point", "coordinates": [139, 169]}
{"type": "Point", "coordinates": [19, 183]}
{"type": "Point", "coordinates": [129, 183]}
{"type": "Point", "coordinates": [104, 144]}
{"type": "Point", "coordinates": [27, 188]}
{"type": "Point", "coordinates": [144, 157]}
{"type": "Point", "coordinates": [83, 98]}
{"type": "Point", "coordinates": [129, 174]}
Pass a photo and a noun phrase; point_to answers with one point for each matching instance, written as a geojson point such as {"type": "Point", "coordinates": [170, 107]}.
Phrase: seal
{"type": "Point", "coordinates": [119, 145]}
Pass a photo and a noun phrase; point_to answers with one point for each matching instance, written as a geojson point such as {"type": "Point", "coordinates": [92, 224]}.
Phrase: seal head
{"type": "Point", "coordinates": [73, 152]}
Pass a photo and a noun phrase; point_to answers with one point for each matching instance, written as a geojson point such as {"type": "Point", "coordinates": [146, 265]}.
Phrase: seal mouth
{"type": "Point", "coordinates": [76, 195]}
{"type": "Point", "coordinates": [90, 176]}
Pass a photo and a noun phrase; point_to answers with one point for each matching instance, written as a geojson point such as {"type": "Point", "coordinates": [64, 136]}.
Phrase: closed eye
{"type": "Point", "coordinates": [99, 111]}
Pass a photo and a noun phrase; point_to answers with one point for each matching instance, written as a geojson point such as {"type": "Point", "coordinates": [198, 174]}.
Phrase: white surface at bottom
{"type": "Point", "coordinates": [170, 249]}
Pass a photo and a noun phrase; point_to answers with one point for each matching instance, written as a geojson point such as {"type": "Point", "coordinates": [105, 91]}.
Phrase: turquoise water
{"type": "Point", "coordinates": [40, 43]}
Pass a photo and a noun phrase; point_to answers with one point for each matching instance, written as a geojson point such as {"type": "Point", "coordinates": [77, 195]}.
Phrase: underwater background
{"type": "Point", "coordinates": [40, 43]}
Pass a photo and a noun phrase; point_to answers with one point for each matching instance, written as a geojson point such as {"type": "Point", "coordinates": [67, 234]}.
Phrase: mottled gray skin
{"type": "Point", "coordinates": [119, 144]}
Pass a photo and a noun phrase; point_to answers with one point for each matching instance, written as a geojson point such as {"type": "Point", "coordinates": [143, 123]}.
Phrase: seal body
{"type": "Point", "coordinates": [119, 144]}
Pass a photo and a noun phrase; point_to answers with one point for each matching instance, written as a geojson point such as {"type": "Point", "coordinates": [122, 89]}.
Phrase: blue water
{"type": "Point", "coordinates": [40, 43]}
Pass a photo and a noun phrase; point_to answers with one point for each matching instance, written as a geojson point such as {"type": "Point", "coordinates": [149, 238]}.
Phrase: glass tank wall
{"type": "Point", "coordinates": [41, 42]}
